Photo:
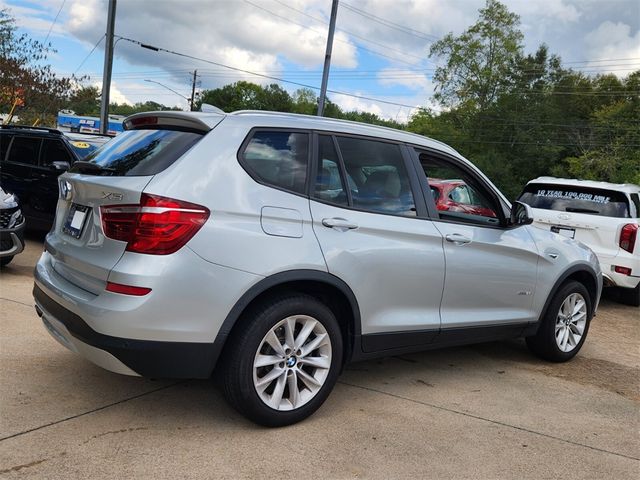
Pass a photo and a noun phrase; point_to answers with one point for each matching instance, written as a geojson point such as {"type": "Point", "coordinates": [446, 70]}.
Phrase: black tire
{"type": "Point", "coordinates": [630, 296]}
{"type": "Point", "coordinates": [4, 261]}
{"type": "Point", "coordinates": [247, 339]}
{"type": "Point", "coordinates": [543, 343]}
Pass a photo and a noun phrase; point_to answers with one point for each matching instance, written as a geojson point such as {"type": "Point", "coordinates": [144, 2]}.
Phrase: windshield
{"type": "Point", "coordinates": [568, 198]}
{"type": "Point", "coordinates": [140, 152]}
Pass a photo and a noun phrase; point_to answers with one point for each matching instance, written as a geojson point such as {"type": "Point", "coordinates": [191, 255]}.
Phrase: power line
{"type": "Point", "coordinates": [89, 54]}
{"type": "Point", "coordinates": [390, 24]}
{"type": "Point", "coordinates": [269, 77]}
{"type": "Point", "coordinates": [351, 33]}
{"type": "Point", "coordinates": [53, 23]}
{"type": "Point", "coordinates": [322, 33]}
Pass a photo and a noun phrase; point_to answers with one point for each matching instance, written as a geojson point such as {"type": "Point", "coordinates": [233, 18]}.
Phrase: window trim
{"type": "Point", "coordinates": [246, 168]}
{"type": "Point", "coordinates": [431, 204]}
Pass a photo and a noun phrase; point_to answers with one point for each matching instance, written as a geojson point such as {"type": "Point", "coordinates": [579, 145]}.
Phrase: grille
{"type": "Point", "coordinates": [5, 217]}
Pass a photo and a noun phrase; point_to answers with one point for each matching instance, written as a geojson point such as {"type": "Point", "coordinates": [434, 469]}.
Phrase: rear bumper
{"type": "Point", "coordinates": [615, 279]}
{"type": "Point", "coordinates": [146, 358]}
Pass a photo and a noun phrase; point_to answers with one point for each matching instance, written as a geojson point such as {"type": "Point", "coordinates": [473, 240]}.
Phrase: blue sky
{"type": "Point", "coordinates": [380, 51]}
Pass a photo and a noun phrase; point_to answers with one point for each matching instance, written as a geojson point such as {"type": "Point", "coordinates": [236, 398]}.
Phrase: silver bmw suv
{"type": "Point", "coordinates": [275, 248]}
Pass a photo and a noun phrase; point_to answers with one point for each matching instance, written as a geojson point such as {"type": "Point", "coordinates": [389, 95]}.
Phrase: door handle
{"type": "Point", "coordinates": [340, 224]}
{"type": "Point", "coordinates": [457, 239]}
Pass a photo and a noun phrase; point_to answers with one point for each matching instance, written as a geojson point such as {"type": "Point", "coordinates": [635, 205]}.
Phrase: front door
{"type": "Point", "coordinates": [491, 268]}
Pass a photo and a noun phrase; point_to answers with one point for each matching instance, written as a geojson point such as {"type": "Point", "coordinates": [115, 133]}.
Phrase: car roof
{"type": "Point", "coordinates": [32, 131]}
{"type": "Point", "coordinates": [620, 187]}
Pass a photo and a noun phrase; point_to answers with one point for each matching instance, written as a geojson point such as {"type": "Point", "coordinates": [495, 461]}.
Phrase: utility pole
{"type": "Point", "coordinates": [106, 72]}
{"type": "Point", "coordinates": [193, 90]}
{"type": "Point", "coordinates": [327, 58]}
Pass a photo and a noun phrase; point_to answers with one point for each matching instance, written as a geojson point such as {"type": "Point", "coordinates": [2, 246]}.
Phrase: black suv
{"type": "Point", "coordinates": [31, 159]}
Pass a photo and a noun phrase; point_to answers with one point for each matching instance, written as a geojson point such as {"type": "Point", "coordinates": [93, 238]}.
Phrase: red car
{"type": "Point", "coordinates": [457, 196]}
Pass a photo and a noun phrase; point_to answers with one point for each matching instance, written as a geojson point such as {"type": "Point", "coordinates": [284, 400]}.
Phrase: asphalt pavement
{"type": "Point", "coordinates": [485, 411]}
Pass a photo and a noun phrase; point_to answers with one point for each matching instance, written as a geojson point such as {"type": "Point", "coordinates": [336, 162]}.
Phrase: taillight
{"type": "Point", "coordinates": [158, 226]}
{"type": "Point", "coordinates": [628, 237]}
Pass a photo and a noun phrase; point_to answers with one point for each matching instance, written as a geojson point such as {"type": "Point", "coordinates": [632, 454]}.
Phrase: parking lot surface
{"type": "Point", "coordinates": [486, 411]}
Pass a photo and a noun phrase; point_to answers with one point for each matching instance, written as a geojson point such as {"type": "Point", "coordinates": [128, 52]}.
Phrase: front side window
{"type": "Point", "coordinates": [278, 158]}
{"type": "Point", "coordinates": [24, 150]}
{"type": "Point", "coordinates": [458, 195]}
{"type": "Point", "coordinates": [576, 199]}
{"type": "Point", "coordinates": [377, 177]}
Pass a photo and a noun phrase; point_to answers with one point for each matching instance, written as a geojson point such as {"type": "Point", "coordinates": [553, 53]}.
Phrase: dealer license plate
{"type": "Point", "coordinates": [76, 219]}
{"type": "Point", "coordinates": [565, 232]}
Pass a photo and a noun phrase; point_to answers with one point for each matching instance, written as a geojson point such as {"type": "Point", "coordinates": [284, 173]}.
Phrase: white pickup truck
{"type": "Point", "coordinates": [603, 216]}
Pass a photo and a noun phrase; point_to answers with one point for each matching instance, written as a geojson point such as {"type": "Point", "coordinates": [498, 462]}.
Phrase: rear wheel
{"type": "Point", "coordinates": [284, 360]}
{"type": "Point", "coordinates": [565, 324]}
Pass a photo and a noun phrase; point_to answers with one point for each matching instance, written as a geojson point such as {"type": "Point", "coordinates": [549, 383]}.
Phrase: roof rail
{"type": "Point", "coordinates": [28, 127]}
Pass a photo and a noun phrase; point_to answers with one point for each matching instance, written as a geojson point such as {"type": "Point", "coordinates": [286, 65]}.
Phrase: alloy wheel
{"type": "Point", "coordinates": [292, 362]}
{"type": "Point", "coordinates": [571, 322]}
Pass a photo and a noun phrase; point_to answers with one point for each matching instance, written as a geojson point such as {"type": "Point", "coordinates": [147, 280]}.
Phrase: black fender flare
{"type": "Point", "coordinates": [279, 279]}
{"type": "Point", "coordinates": [582, 267]}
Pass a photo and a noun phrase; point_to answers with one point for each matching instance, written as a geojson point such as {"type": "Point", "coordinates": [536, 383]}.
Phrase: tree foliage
{"type": "Point", "coordinates": [26, 79]}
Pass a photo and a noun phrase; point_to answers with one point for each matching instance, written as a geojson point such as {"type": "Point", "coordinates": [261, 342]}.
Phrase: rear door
{"type": "Point", "coordinates": [115, 175]}
{"type": "Point", "coordinates": [375, 237]}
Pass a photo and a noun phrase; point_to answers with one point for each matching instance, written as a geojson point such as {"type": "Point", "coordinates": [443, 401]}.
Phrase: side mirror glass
{"type": "Point", "coordinates": [521, 214]}
{"type": "Point", "coordinates": [61, 165]}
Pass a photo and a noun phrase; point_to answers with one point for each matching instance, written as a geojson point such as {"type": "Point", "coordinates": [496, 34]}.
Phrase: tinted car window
{"type": "Point", "coordinates": [377, 176]}
{"type": "Point", "coordinates": [278, 158]}
{"type": "Point", "coordinates": [635, 198]}
{"type": "Point", "coordinates": [140, 152]}
{"type": "Point", "coordinates": [54, 151]}
{"type": "Point", "coordinates": [4, 145]}
{"type": "Point", "coordinates": [24, 150]}
{"type": "Point", "coordinates": [568, 198]}
{"type": "Point", "coordinates": [83, 149]}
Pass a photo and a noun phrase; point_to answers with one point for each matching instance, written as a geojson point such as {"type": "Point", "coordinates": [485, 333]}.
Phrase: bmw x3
{"type": "Point", "coordinates": [275, 248]}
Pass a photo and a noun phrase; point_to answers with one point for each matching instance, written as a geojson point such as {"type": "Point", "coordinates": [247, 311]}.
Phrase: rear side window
{"type": "Point", "coordinates": [278, 158]}
{"type": "Point", "coordinates": [568, 198]}
{"type": "Point", "coordinates": [24, 150]}
{"type": "Point", "coordinates": [635, 198]}
{"type": "Point", "coordinates": [378, 179]}
{"type": "Point", "coordinates": [140, 152]}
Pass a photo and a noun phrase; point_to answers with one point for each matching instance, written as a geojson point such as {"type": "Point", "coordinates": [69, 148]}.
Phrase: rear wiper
{"type": "Point", "coordinates": [84, 166]}
{"type": "Point", "coordinates": [581, 210]}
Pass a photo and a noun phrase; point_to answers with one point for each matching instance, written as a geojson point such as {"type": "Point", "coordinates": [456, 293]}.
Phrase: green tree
{"type": "Point", "coordinates": [480, 62]}
{"type": "Point", "coordinates": [26, 77]}
{"type": "Point", "coordinates": [244, 95]}
{"type": "Point", "coordinates": [84, 101]}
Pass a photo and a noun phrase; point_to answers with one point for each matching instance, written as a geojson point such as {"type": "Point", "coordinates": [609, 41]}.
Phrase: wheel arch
{"type": "Point", "coordinates": [328, 288]}
{"type": "Point", "coordinates": [581, 273]}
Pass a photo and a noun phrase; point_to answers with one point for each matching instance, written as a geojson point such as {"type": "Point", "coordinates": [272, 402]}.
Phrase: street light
{"type": "Point", "coordinates": [168, 88]}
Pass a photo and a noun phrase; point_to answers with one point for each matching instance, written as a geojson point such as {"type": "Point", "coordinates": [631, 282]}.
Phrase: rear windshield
{"type": "Point", "coordinates": [140, 152]}
{"type": "Point", "coordinates": [567, 198]}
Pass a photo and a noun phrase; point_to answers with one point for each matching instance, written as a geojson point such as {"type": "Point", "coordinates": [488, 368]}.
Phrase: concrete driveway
{"type": "Point", "coordinates": [488, 411]}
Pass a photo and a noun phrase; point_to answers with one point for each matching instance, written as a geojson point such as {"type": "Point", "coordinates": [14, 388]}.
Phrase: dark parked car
{"type": "Point", "coordinates": [457, 196]}
{"type": "Point", "coordinates": [31, 159]}
{"type": "Point", "coordinates": [11, 227]}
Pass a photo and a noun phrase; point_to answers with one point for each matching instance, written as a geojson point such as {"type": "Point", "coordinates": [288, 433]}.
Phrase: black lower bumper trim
{"type": "Point", "coordinates": [145, 357]}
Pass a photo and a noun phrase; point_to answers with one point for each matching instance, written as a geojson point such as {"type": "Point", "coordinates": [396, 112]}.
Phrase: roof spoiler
{"type": "Point", "coordinates": [167, 119]}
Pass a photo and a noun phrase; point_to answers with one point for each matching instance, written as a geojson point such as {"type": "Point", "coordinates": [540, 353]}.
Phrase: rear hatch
{"type": "Point", "coordinates": [114, 175]}
{"type": "Point", "coordinates": [593, 216]}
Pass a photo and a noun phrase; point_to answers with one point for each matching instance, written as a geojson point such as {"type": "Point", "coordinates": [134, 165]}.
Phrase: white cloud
{"type": "Point", "coordinates": [613, 41]}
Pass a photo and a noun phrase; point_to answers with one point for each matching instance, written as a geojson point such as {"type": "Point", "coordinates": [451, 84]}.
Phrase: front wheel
{"type": "Point", "coordinates": [565, 324]}
{"type": "Point", "coordinates": [283, 361]}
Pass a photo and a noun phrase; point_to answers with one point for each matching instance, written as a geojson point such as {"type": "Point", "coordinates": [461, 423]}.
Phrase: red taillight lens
{"type": "Point", "coordinates": [127, 289]}
{"type": "Point", "coordinates": [158, 226]}
{"type": "Point", "coordinates": [628, 237]}
{"type": "Point", "coordinates": [622, 270]}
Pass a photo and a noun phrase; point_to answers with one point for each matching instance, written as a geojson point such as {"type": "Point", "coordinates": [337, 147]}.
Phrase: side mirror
{"type": "Point", "coordinates": [521, 214]}
{"type": "Point", "coordinates": [62, 165]}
